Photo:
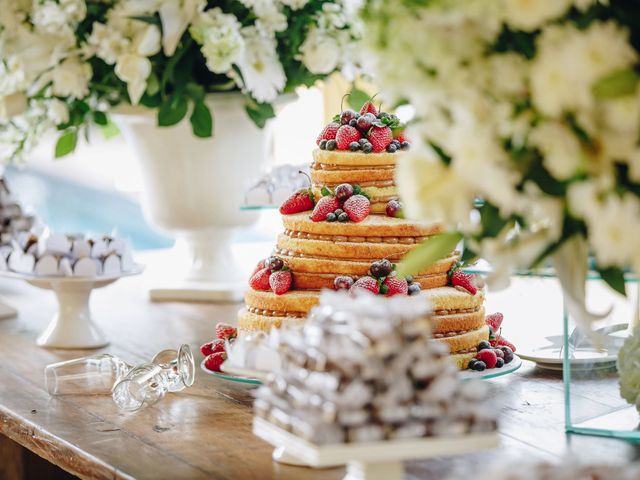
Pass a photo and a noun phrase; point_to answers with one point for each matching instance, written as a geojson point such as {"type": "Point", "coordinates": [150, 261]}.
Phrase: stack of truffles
{"type": "Point", "coordinates": [13, 219]}
{"type": "Point", "coordinates": [363, 369]}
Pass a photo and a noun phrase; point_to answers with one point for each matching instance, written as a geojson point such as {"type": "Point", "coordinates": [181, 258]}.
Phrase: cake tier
{"type": "Point", "coordinates": [374, 172]}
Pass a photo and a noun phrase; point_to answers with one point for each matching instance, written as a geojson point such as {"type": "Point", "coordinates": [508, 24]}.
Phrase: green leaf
{"type": "Point", "coordinates": [614, 277]}
{"type": "Point", "coordinates": [428, 252]}
{"type": "Point", "coordinates": [150, 19]}
{"type": "Point", "coordinates": [326, 191]}
{"type": "Point", "coordinates": [100, 118]}
{"type": "Point", "coordinates": [201, 120]}
{"type": "Point", "coordinates": [259, 112]}
{"type": "Point", "coordinates": [153, 84]}
{"type": "Point", "coordinates": [616, 84]}
{"type": "Point", "coordinates": [110, 130]}
{"type": "Point", "coordinates": [66, 143]}
{"type": "Point", "coordinates": [357, 98]}
{"type": "Point", "coordinates": [171, 111]}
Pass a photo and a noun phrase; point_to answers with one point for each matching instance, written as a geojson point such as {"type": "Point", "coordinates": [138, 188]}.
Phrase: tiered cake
{"type": "Point", "coordinates": [338, 231]}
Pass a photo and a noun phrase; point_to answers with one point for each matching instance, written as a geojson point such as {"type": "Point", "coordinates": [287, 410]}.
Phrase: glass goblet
{"type": "Point", "coordinates": [93, 375]}
{"type": "Point", "coordinates": [180, 367]}
{"type": "Point", "coordinates": [144, 385]}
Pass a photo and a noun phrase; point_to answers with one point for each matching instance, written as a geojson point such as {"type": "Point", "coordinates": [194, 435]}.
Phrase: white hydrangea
{"type": "Point", "coordinates": [220, 37]}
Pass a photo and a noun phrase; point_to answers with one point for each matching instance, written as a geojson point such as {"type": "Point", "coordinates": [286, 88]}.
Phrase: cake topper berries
{"type": "Point", "coordinates": [461, 280]}
{"type": "Point", "coordinates": [272, 274]}
{"type": "Point", "coordinates": [496, 352]}
{"type": "Point", "coordinates": [346, 202]}
{"type": "Point", "coordinates": [382, 280]}
{"type": "Point", "coordinates": [368, 131]}
{"type": "Point", "coordinates": [299, 201]}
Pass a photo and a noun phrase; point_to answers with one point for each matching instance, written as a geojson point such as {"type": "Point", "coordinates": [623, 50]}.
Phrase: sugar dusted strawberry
{"type": "Point", "coordinates": [494, 321]}
{"type": "Point", "coordinates": [500, 341]}
{"type": "Point", "coordinates": [281, 281]}
{"type": "Point", "coordinates": [365, 283]}
{"type": "Point", "coordinates": [325, 205]}
{"type": "Point", "coordinates": [214, 346]}
{"type": "Point", "coordinates": [357, 207]}
{"type": "Point", "coordinates": [226, 331]}
{"type": "Point", "coordinates": [345, 135]}
{"type": "Point", "coordinates": [463, 280]}
{"type": "Point", "coordinates": [369, 107]}
{"type": "Point", "coordinates": [394, 286]}
{"type": "Point", "coordinates": [259, 266]}
{"type": "Point", "coordinates": [488, 356]}
{"type": "Point", "coordinates": [380, 138]}
{"type": "Point", "coordinates": [300, 201]}
{"type": "Point", "coordinates": [260, 279]}
{"type": "Point", "coordinates": [214, 361]}
{"type": "Point", "coordinates": [328, 132]}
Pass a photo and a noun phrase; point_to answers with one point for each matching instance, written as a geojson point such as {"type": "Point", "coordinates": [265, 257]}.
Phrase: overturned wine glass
{"type": "Point", "coordinates": [169, 371]}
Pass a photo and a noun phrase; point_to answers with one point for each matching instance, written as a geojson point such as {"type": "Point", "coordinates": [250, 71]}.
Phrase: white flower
{"type": "Point", "coordinates": [58, 17]}
{"type": "Point", "coordinates": [222, 42]}
{"type": "Point", "coordinates": [261, 69]}
{"type": "Point", "coordinates": [529, 15]}
{"type": "Point", "coordinates": [508, 74]}
{"type": "Point", "coordinates": [175, 16]}
{"type": "Point", "coordinates": [58, 111]}
{"type": "Point", "coordinates": [12, 105]}
{"type": "Point", "coordinates": [270, 18]}
{"type": "Point", "coordinates": [134, 70]}
{"type": "Point", "coordinates": [295, 4]}
{"type": "Point", "coordinates": [107, 43]}
{"type": "Point", "coordinates": [71, 78]}
{"type": "Point", "coordinates": [320, 53]}
{"type": "Point", "coordinates": [561, 152]}
{"type": "Point", "coordinates": [147, 41]}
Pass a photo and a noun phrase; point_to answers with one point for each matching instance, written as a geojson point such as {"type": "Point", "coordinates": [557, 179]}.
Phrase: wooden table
{"type": "Point", "coordinates": [204, 432]}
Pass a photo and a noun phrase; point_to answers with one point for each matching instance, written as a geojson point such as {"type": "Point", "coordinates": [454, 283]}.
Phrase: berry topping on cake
{"type": "Point", "coordinates": [357, 207]}
{"type": "Point", "coordinates": [214, 346]}
{"type": "Point", "coordinates": [461, 280]}
{"type": "Point", "coordinates": [226, 331]}
{"type": "Point", "coordinates": [275, 263]}
{"type": "Point", "coordinates": [300, 201]}
{"type": "Point", "coordinates": [369, 131]}
{"type": "Point", "coordinates": [500, 341]}
{"type": "Point", "coordinates": [328, 132]}
{"type": "Point", "coordinates": [507, 352]}
{"type": "Point", "coordinates": [394, 286]}
{"type": "Point", "coordinates": [214, 361]}
{"type": "Point", "coordinates": [281, 281]}
{"type": "Point", "coordinates": [366, 283]}
{"type": "Point", "coordinates": [259, 266]}
{"type": "Point", "coordinates": [260, 279]}
{"type": "Point", "coordinates": [494, 321]}
{"type": "Point", "coordinates": [325, 206]}
{"type": "Point", "coordinates": [394, 209]}
{"type": "Point", "coordinates": [381, 268]}
{"type": "Point", "coordinates": [488, 356]}
{"type": "Point", "coordinates": [343, 191]}
{"type": "Point", "coordinates": [343, 282]}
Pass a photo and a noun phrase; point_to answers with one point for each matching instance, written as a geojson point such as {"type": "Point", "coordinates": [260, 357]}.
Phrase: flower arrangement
{"type": "Point", "coordinates": [526, 131]}
{"type": "Point", "coordinates": [65, 63]}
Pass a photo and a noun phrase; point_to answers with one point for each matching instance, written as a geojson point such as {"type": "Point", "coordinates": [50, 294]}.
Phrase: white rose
{"type": "Point", "coordinates": [320, 53]}
{"type": "Point", "coordinates": [134, 70]}
{"type": "Point", "coordinates": [71, 78]}
{"type": "Point", "coordinates": [12, 105]}
{"type": "Point", "coordinates": [147, 41]}
{"type": "Point", "coordinates": [58, 111]}
{"type": "Point", "coordinates": [528, 15]}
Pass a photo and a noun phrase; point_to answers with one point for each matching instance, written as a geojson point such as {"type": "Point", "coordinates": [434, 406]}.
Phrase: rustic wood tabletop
{"type": "Point", "coordinates": [205, 431]}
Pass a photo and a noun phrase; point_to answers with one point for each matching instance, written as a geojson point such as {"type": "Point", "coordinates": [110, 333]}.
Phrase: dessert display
{"type": "Point", "coordinates": [365, 369]}
{"type": "Point", "coordinates": [346, 230]}
{"type": "Point", "coordinates": [51, 255]}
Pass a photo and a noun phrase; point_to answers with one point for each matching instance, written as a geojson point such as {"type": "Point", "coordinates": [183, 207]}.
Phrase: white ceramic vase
{"type": "Point", "coordinates": [194, 188]}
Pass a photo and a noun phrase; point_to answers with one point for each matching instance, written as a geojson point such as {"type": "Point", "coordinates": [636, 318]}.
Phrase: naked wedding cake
{"type": "Point", "coordinates": [347, 231]}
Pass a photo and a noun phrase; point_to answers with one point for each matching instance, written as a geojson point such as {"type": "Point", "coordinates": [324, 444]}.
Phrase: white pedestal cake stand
{"type": "Point", "coordinates": [72, 326]}
{"type": "Point", "coordinates": [372, 460]}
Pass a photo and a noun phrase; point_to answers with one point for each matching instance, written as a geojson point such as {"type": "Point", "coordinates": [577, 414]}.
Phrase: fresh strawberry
{"type": "Point", "coordinates": [488, 356]}
{"type": "Point", "coordinates": [324, 206]}
{"type": "Point", "coordinates": [226, 331]}
{"type": "Point", "coordinates": [394, 286]}
{"type": "Point", "coordinates": [281, 281]}
{"type": "Point", "coordinates": [494, 321]}
{"type": "Point", "coordinates": [500, 341]}
{"type": "Point", "coordinates": [346, 134]}
{"type": "Point", "coordinates": [259, 266]}
{"type": "Point", "coordinates": [365, 283]}
{"type": "Point", "coordinates": [260, 279]}
{"type": "Point", "coordinates": [357, 207]}
{"type": "Point", "coordinates": [214, 361]}
{"type": "Point", "coordinates": [214, 346]}
{"type": "Point", "coordinates": [463, 280]}
{"type": "Point", "coordinates": [380, 138]}
{"type": "Point", "coordinates": [328, 132]}
{"type": "Point", "coordinates": [369, 107]}
{"type": "Point", "coordinates": [300, 201]}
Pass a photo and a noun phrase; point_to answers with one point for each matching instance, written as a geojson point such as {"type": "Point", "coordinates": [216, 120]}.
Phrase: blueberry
{"type": "Point", "coordinates": [391, 148]}
{"type": "Point", "coordinates": [367, 147]}
{"type": "Point", "coordinates": [362, 141]}
{"type": "Point", "coordinates": [353, 122]}
{"type": "Point", "coordinates": [331, 144]}
{"type": "Point", "coordinates": [331, 217]}
{"type": "Point", "coordinates": [480, 366]}
{"type": "Point", "coordinates": [396, 143]}
{"type": "Point", "coordinates": [483, 345]}
{"type": "Point", "coordinates": [409, 279]}
{"type": "Point", "coordinates": [405, 145]}
{"type": "Point", "coordinates": [472, 363]}
{"type": "Point", "coordinates": [323, 145]}
{"type": "Point", "coordinates": [354, 146]}
{"type": "Point", "coordinates": [414, 289]}
{"type": "Point", "coordinates": [343, 217]}
{"type": "Point", "coordinates": [499, 363]}
{"type": "Point", "coordinates": [338, 211]}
